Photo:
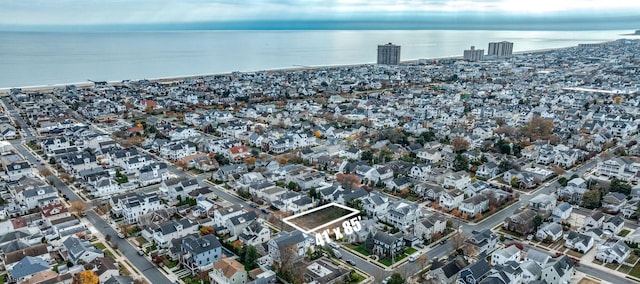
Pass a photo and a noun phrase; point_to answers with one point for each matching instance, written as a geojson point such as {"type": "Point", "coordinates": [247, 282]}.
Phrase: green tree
{"type": "Point", "coordinates": [620, 186]}
{"type": "Point", "coordinates": [396, 278]}
{"type": "Point", "coordinates": [514, 182]}
{"type": "Point", "coordinates": [591, 199]}
{"type": "Point", "coordinates": [367, 156]}
{"type": "Point", "coordinates": [460, 163]}
{"type": "Point", "coordinates": [249, 256]}
{"type": "Point", "coordinates": [563, 181]}
{"type": "Point", "coordinates": [537, 221]}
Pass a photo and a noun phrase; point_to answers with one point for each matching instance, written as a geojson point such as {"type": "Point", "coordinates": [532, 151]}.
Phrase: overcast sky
{"type": "Point", "coordinates": [110, 12]}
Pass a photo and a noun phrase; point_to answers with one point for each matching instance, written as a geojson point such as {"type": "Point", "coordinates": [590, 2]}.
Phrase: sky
{"type": "Point", "coordinates": [87, 13]}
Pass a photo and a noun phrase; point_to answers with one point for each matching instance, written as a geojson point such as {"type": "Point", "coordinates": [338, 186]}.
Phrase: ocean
{"type": "Point", "coordinates": [49, 58]}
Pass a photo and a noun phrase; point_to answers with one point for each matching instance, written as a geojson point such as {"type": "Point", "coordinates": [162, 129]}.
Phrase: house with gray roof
{"type": "Point", "coordinates": [386, 244]}
{"type": "Point", "coordinates": [578, 241]}
{"type": "Point", "coordinates": [558, 270]}
{"type": "Point", "coordinates": [475, 272]}
{"type": "Point", "coordinates": [26, 268]}
{"type": "Point", "coordinates": [613, 251]}
{"type": "Point", "coordinates": [81, 250]}
{"type": "Point", "coordinates": [292, 244]}
{"type": "Point", "coordinates": [446, 273]}
{"type": "Point", "coordinates": [200, 253]}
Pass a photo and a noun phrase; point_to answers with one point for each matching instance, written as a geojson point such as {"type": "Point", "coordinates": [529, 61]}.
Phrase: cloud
{"type": "Point", "coordinates": [104, 12]}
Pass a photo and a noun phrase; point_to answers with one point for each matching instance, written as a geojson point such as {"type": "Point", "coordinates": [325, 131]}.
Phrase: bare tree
{"type": "Point", "coordinates": [78, 207]}
{"type": "Point", "coordinates": [459, 144]}
{"type": "Point", "coordinates": [286, 264]}
{"type": "Point", "coordinates": [458, 240]}
{"type": "Point", "coordinates": [45, 172]}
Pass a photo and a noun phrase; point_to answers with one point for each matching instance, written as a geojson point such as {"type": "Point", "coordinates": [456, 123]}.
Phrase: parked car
{"type": "Point", "coordinates": [121, 235]}
{"type": "Point", "coordinates": [140, 253]}
{"type": "Point", "coordinates": [351, 262]}
{"type": "Point", "coordinates": [334, 245]}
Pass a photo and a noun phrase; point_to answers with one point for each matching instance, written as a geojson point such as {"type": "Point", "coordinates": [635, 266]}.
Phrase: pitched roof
{"type": "Point", "coordinates": [229, 267]}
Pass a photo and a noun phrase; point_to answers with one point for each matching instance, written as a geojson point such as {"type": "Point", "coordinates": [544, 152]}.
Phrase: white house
{"type": "Point", "coordinates": [450, 200]}
{"type": "Point", "coordinates": [613, 251]}
{"type": "Point", "coordinates": [501, 256]}
{"type": "Point", "coordinates": [458, 180]}
{"type": "Point", "coordinates": [551, 230]}
{"type": "Point", "coordinates": [578, 241]}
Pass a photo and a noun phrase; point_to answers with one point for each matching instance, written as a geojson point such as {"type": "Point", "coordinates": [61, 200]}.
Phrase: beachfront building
{"type": "Point", "coordinates": [500, 49]}
{"type": "Point", "coordinates": [389, 54]}
{"type": "Point", "coordinates": [473, 54]}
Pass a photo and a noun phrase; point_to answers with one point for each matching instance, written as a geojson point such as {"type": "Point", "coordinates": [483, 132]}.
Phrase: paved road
{"type": "Point", "coordinates": [140, 263]}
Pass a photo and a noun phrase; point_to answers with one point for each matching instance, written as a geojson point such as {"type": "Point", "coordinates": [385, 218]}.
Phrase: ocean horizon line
{"type": "Point", "coordinates": [175, 78]}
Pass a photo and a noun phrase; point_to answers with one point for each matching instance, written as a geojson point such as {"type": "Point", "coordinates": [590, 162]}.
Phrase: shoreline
{"type": "Point", "coordinates": [178, 78]}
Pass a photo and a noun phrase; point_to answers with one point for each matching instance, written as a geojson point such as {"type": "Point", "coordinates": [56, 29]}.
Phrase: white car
{"type": "Point", "coordinates": [334, 245]}
{"type": "Point", "coordinates": [121, 235]}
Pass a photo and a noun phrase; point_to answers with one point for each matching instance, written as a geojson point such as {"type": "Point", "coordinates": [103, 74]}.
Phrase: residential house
{"type": "Point", "coordinates": [222, 215]}
{"type": "Point", "coordinates": [457, 180]}
{"type": "Point", "coordinates": [26, 268]}
{"type": "Point", "coordinates": [484, 241]}
{"type": "Point", "coordinates": [429, 191]}
{"type": "Point", "coordinates": [17, 170]}
{"type": "Point", "coordinates": [152, 174]}
{"type": "Point", "coordinates": [292, 244]}
{"type": "Point", "coordinates": [578, 241]}
{"type": "Point", "coordinates": [595, 220]}
{"type": "Point", "coordinates": [475, 272]}
{"type": "Point", "coordinates": [562, 212]}
{"type": "Point", "coordinates": [200, 253]}
{"type": "Point", "coordinates": [375, 204]}
{"type": "Point", "coordinates": [552, 230]}
{"type": "Point", "coordinates": [177, 150]}
{"type": "Point", "coordinates": [558, 270]}
{"type": "Point", "coordinates": [324, 271]}
{"type": "Point", "coordinates": [387, 245]}
{"type": "Point", "coordinates": [81, 250]}
{"type": "Point", "coordinates": [132, 206]}
{"type": "Point", "coordinates": [38, 196]}
{"type": "Point", "coordinates": [543, 204]}
{"type": "Point", "coordinates": [613, 202]}
{"type": "Point", "coordinates": [105, 268]}
{"type": "Point", "coordinates": [402, 214]}
{"type": "Point", "coordinates": [501, 256]}
{"type": "Point", "coordinates": [488, 170]}
{"type": "Point", "coordinates": [255, 233]}
{"type": "Point", "coordinates": [226, 171]}
{"type": "Point", "coordinates": [163, 233]}
{"type": "Point", "coordinates": [474, 206]}
{"type": "Point", "coordinates": [451, 199]}
{"type": "Point", "coordinates": [228, 271]}
{"type": "Point", "coordinates": [521, 222]}
{"type": "Point", "coordinates": [430, 226]}
{"type": "Point", "coordinates": [51, 145]}
{"type": "Point", "coordinates": [613, 251]}
{"type": "Point", "coordinates": [236, 224]}
{"type": "Point", "coordinates": [614, 225]}
{"type": "Point", "coordinates": [537, 256]}
{"type": "Point", "coordinates": [446, 273]}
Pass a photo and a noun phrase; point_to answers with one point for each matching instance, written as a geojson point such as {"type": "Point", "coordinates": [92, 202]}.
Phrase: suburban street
{"type": "Point", "coordinates": [143, 265]}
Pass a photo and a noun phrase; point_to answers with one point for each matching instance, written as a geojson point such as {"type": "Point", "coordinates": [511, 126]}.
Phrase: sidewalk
{"type": "Point", "coordinates": [587, 260]}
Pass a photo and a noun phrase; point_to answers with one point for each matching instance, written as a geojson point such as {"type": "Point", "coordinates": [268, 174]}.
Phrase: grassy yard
{"type": "Point", "coordinates": [632, 258]}
{"type": "Point", "coordinates": [361, 250]}
{"type": "Point", "coordinates": [624, 233]}
{"type": "Point", "coordinates": [625, 269]}
{"type": "Point", "coordinates": [575, 253]}
{"type": "Point", "coordinates": [613, 266]}
{"type": "Point", "coordinates": [100, 246]}
{"type": "Point", "coordinates": [123, 270]}
{"type": "Point", "coordinates": [635, 272]}
{"type": "Point", "coordinates": [398, 258]}
{"type": "Point", "coordinates": [108, 253]}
